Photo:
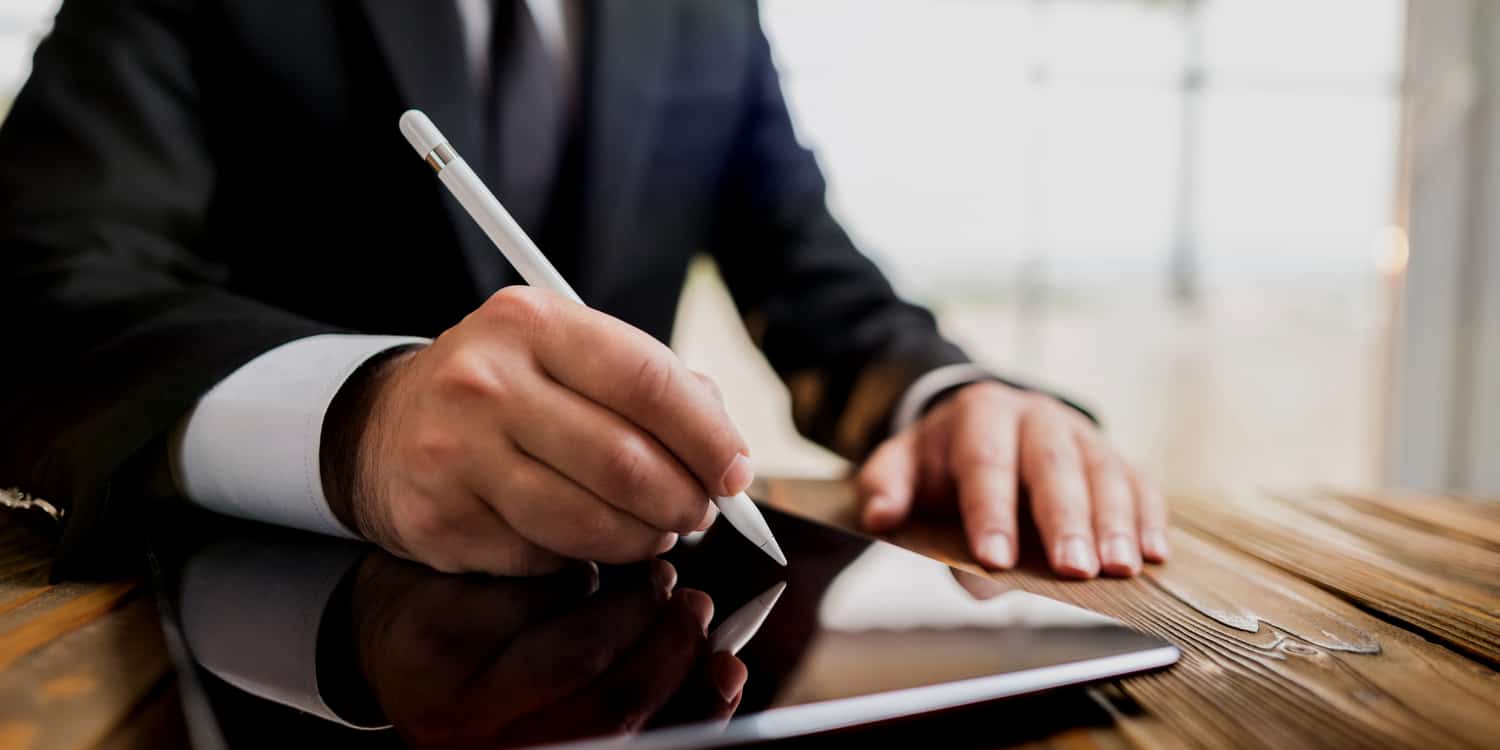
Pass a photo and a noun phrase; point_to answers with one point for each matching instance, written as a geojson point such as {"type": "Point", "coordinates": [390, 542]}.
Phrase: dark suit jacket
{"type": "Point", "coordinates": [185, 184]}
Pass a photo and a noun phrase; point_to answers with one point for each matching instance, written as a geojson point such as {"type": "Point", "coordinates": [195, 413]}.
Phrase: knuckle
{"type": "Point", "coordinates": [1040, 406]}
{"type": "Point", "coordinates": [628, 466]}
{"type": "Point", "coordinates": [1099, 461]}
{"type": "Point", "coordinates": [435, 448]}
{"type": "Point", "coordinates": [982, 454]}
{"type": "Point", "coordinates": [1055, 458]}
{"type": "Point", "coordinates": [1071, 517]}
{"type": "Point", "coordinates": [1060, 412]}
{"type": "Point", "coordinates": [520, 308]}
{"type": "Point", "coordinates": [984, 395]}
{"type": "Point", "coordinates": [653, 380]}
{"type": "Point", "coordinates": [713, 387]}
{"type": "Point", "coordinates": [467, 375]}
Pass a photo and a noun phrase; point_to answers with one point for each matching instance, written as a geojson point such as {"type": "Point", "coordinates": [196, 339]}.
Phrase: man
{"type": "Point", "coordinates": [223, 265]}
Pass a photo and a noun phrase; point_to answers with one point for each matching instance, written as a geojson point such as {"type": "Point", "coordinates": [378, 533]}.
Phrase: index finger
{"type": "Point", "coordinates": [984, 456]}
{"type": "Point", "coordinates": [632, 374]}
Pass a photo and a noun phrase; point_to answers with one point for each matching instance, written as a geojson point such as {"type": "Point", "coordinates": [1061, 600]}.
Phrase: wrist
{"type": "Point", "coordinates": [941, 384]}
{"type": "Point", "coordinates": [351, 439]}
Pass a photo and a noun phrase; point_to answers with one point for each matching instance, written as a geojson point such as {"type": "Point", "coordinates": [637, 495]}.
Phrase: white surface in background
{"type": "Point", "coordinates": [962, 137]}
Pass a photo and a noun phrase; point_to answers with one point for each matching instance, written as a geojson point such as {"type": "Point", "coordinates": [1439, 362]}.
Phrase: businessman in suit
{"type": "Point", "coordinates": [229, 281]}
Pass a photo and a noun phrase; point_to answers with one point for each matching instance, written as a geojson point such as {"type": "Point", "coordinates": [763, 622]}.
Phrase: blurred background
{"type": "Point", "coordinates": [1249, 233]}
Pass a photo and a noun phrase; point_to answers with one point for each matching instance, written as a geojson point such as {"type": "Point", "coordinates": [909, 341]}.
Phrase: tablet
{"type": "Point", "coordinates": [284, 637]}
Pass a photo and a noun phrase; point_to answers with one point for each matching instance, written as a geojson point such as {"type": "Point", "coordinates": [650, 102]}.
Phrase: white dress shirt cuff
{"type": "Point", "coordinates": [914, 402]}
{"type": "Point", "coordinates": [250, 447]}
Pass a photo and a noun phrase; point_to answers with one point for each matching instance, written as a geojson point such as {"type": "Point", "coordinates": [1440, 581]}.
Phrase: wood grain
{"type": "Point", "coordinates": [1269, 658]}
{"type": "Point", "coordinates": [25, 559]}
{"type": "Point", "coordinates": [1477, 522]}
{"type": "Point", "coordinates": [1305, 619]}
{"type": "Point", "coordinates": [81, 663]}
{"type": "Point", "coordinates": [76, 691]}
{"type": "Point", "coordinates": [1441, 586]}
{"type": "Point", "coordinates": [53, 613]}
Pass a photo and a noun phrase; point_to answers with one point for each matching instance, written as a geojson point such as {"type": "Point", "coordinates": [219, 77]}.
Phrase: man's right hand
{"type": "Point", "coordinates": [534, 431]}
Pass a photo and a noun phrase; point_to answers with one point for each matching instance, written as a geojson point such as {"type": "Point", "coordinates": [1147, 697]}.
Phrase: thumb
{"type": "Point", "coordinates": [887, 483]}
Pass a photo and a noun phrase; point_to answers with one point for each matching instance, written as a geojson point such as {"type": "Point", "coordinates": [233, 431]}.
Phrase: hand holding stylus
{"type": "Point", "coordinates": [536, 429]}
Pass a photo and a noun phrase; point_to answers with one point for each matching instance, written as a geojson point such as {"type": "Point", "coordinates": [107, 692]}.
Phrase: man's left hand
{"type": "Point", "coordinates": [989, 441]}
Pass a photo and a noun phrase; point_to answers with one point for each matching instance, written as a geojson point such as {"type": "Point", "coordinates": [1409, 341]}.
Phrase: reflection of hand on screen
{"type": "Point", "coordinates": [461, 661]}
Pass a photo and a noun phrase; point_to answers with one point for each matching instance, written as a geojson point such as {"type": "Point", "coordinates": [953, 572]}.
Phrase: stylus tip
{"type": "Point", "coordinates": [774, 550]}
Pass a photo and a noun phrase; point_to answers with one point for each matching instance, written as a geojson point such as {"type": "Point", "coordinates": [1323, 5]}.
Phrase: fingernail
{"type": "Point", "coordinates": [1075, 558]}
{"type": "Point", "coordinates": [878, 507]}
{"type": "Point", "coordinates": [667, 543]}
{"type": "Point", "coordinates": [709, 517]}
{"type": "Point", "coordinates": [738, 476]}
{"type": "Point", "coordinates": [1154, 542]}
{"type": "Point", "coordinates": [729, 681]}
{"type": "Point", "coordinates": [996, 551]}
{"type": "Point", "coordinates": [1121, 554]}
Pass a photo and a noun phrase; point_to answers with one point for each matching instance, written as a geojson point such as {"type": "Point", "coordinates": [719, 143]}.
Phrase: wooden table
{"type": "Point", "coordinates": [1307, 619]}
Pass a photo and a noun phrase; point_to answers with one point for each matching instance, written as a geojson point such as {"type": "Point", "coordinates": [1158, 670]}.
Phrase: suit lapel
{"type": "Point", "coordinates": [423, 46]}
{"type": "Point", "coordinates": [631, 49]}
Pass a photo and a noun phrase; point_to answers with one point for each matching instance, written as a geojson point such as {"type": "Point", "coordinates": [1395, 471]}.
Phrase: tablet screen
{"type": "Point", "coordinates": [291, 636]}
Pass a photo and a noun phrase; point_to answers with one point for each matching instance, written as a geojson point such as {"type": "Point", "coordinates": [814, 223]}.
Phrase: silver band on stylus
{"type": "Point", "coordinates": [441, 156]}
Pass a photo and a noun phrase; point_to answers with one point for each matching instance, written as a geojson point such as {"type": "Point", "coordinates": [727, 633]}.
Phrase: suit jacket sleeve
{"type": "Point", "coordinates": [115, 318]}
{"type": "Point", "coordinates": [826, 318]}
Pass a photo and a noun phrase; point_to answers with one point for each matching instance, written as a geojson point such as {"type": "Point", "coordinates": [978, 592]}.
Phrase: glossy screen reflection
{"type": "Point", "coordinates": [322, 640]}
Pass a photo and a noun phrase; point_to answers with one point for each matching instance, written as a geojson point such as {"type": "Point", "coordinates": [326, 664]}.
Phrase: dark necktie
{"type": "Point", "coordinates": [526, 115]}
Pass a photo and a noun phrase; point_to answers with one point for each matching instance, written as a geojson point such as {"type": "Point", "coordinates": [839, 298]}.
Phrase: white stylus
{"type": "Point", "coordinates": [737, 629]}
{"type": "Point", "coordinates": [528, 261]}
